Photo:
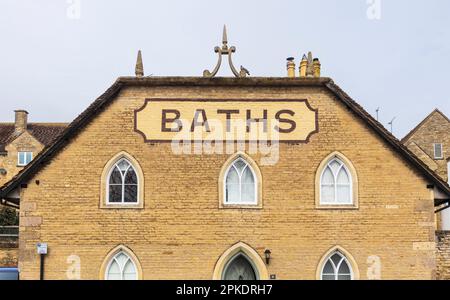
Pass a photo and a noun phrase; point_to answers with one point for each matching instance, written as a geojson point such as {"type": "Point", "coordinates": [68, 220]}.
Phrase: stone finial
{"type": "Point", "coordinates": [225, 50]}
{"type": "Point", "coordinates": [310, 66]}
{"type": "Point", "coordinates": [139, 70]}
{"type": "Point", "coordinates": [224, 37]}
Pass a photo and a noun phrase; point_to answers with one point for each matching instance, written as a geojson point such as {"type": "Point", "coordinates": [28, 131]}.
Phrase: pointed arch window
{"type": "Point", "coordinates": [240, 184]}
{"type": "Point", "coordinates": [121, 267]}
{"type": "Point", "coordinates": [123, 183]}
{"type": "Point", "coordinates": [337, 267]}
{"type": "Point", "coordinates": [336, 183]}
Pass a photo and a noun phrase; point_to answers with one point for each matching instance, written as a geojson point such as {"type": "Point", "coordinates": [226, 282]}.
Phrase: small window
{"type": "Point", "coordinates": [337, 267]}
{"type": "Point", "coordinates": [121, 267]}
{"type": "Point", "coordinates": [438, 151]}
{"type": "Point", "coordinates": [24, 158]}
{"type": "Point", "coordinates": [122, 183]}
{"type": "Point", "coordinates": [240, 184]}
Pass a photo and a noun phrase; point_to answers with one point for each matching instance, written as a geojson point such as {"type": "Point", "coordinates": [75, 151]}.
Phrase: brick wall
{"type": "Point", "coordinates": [181, 231]}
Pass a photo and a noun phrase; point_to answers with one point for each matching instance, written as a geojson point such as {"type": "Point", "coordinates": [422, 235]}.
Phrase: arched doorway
{"type": "Point", "coordinates": [240, 262]}
{"type": "Point", "coordinates": [240, 267]}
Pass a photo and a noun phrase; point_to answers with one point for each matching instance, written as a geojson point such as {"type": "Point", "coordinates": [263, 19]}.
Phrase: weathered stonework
{"type": "Point", "coordinates": [181, 232]}
{"type": "Point", "coordinates": [443, 255]}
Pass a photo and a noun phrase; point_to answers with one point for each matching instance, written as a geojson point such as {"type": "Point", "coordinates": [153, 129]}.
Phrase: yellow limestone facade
{"type": "Point", "coordinates": [181, 229]}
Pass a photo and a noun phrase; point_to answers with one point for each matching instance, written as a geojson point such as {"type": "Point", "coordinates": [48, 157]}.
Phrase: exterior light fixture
{"type": "Point", "coordinates": [267, 255]}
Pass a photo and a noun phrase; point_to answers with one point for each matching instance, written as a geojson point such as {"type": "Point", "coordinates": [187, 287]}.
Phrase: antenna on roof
{"type": "Point", "coordinates": [377, 110]}
{"type": "Point", "coordinates": [391, 122]}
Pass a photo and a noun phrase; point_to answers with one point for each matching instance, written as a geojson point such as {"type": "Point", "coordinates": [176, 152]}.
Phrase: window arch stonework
{"type": "Point", "coordinates": [129, 179]}
{"type": "Point", "coordinates": [336, 174]}
{"type": "Point", "coordinates": [245, 169]}
{"type": "Point", "coordinates": [235, 251]}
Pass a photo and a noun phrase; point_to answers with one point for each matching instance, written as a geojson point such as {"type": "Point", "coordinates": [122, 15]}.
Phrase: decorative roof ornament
{"type": "Point", "coordinates": [310, 66]}
{"type": "Point", "coordinates": [139, 70]}
{"type": "Point", "coordinates": [225, 50]}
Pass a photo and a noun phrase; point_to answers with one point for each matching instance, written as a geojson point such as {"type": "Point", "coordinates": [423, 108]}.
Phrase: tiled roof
{"type": "Point", "coordinates": [45, 133]}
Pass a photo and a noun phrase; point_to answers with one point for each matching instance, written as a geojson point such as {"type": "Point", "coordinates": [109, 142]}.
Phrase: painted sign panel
{"type": "Point", "coordinates": [250, 120]}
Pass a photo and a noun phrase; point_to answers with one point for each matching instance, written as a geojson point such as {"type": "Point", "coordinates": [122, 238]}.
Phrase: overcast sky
{"type": "Point", "coordinates": [57, 56]}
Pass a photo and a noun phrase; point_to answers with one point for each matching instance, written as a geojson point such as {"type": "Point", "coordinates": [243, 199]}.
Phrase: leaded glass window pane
{"type": "Point", "coordinates": [115, 193]}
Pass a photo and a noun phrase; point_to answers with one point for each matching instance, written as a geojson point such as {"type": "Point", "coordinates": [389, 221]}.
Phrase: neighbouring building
{"type": "Point", "coordinates": [20, 142]}
{"type": "Point", "coordinates": [430, 141]}
{"type": "Point", "coordinates": [227, 178]}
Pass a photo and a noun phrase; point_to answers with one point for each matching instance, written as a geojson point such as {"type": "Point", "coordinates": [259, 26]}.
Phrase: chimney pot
{"type": "Point", "coordinates": [303, 66]}
{"type": "Point", "coordinates": [21, 120]}
{"type": "Point", "coordinates": [290, 67]}
{"type": "Point", "coordinates": [316, 65]}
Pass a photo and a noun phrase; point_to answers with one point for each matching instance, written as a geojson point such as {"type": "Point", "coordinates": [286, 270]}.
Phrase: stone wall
{"type": "Point", "coordinates": [443, 255]}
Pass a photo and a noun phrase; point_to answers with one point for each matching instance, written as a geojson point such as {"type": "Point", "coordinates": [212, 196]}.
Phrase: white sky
{"type": "Point", "coordinates": [54, 64]}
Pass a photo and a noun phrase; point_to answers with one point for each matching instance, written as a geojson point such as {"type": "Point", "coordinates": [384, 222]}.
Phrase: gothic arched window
{"type": "Point", "coordinates": [123, 183]}
{"type": "Point", "coordinates": [240, 186]}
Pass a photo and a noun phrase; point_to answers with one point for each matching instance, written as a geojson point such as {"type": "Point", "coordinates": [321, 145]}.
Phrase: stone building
{"type": "Point", "coordinates": [430, 141]}
{"type": "Point", "coordinates": [21, 141]}
{"type": "Point", "coordinates": [227, 178]}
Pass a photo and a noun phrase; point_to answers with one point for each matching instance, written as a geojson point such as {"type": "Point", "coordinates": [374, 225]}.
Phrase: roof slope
{"type": "Point", "coordinates": [101, 102]}
{"type": "Point", "coordinates": [45, 133]}
{"type": "Point", "coordinates": [411, 133]}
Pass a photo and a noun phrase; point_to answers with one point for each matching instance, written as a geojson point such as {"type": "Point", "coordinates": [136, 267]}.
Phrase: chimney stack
{"type": "Point", "coordinates": [21, 120]}
{"type": "Point", "coordinates": [309, 67]}
{"type": "Point", "coordinates": [303, 66]}
{"type": "Point", "coordinates": [316, 65]}
{"type": "Point", "coordinates": [290, 67]}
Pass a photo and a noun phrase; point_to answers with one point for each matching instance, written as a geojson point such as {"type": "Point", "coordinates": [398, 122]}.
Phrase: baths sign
{"type": "Point", "coordinates": [230, 120]}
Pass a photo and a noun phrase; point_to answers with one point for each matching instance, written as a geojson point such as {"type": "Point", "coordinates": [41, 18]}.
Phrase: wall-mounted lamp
{"type": "Point", "coordinates": [267, 255]}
